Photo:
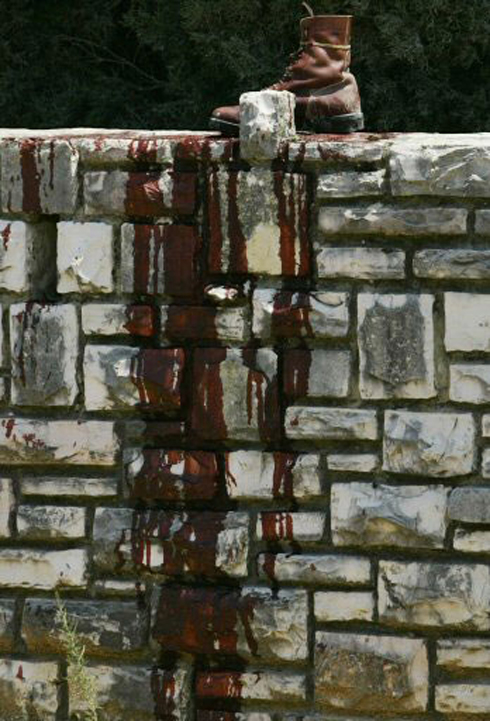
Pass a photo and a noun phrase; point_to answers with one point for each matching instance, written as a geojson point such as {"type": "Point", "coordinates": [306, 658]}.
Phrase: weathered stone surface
{"type": "Point", "coordinates": [366, 514]}
{"type": "Point", "coordinates": [392, 221]}
{"type": "Point", "coordinates": [321, 570]}
{"type": "Point", "coordinates": [7, 505]}
{"type": "Point", "coordinates": [7, 621]}
{"type": "Point", "coordinates": [482, 222]}
{"type": "Point", "coordinates": [104, 627]}
{"type": "Point", "coordinates": [485, 464]}
{"type": "Point", "coordinates": [271, 686]}
{"type": "Point", "coordinates": [433, 444]}
{"type": "Point", "coordinates": [44, 345]}
{"type": "Point", "coordinates": [85, 257]}
{"type": "Point", "coordinates": [266, 121]}
{"type": "Point", "coordinates": [68, 487]}
{"type": "Point", "coordinates": [151, 194]}
{"type": "Point", "coordinates": [90, 443]}
{"type": "Point", "coordinates": [396, 346]}
{"type": "Point", "coordinates": [469, 383]}
{"type": "Point", "coordinates": [117, 319]}
{"type": "Point", "coordinates": [317, 373]}
{"type": "Point", "coordinates": [235, 394]}
{"type": "Point", "coordinates": [154, 474]}
{"type": "Point", "coordinates": [39, 176]}
{"type": "Point", "coordinates": [354, 462]}
{"type": "Point", "coordinates": [285, 314]}
{"type": "Point", "coordinates": [371, 673]}
{"type": "Point", "coordinates": [357, 149]}
{"type": "Point", "coordinates": [350, 184]}
{"type": "Point", "coordinates": [231, 716]}
{"type": "Point", "coordinates": [253, 623]}
{"type": "Point", "coordinates": [267, 476]}
{"type": "Point", "coordinates": [360, 263]}
{"type": "Point", "coordinates": [486, 426]}
{"type": "Point", "coordinates": [471, 541]}
{"type": "Point", "coordinates": [27, 256]}
{"type": "Point", "coordinates": [28, 689]}
{"type": "Point", "coordinates": [341, 424]}
{"type": "Point", "coordinates": [467, 322]}
{"type": "Point", "coordinates": [341, 606]}
{"type": "Point", "coordinates": [452, 264]}
{"type": "Point", "coordinates": [223, 294]}
{"type": "Point", "coordinates": [118, 377]}
{"type": "Point", "coordinates": [228, 325]}
{"type": "Point", "coordinates": [434, 594]}
{"type": "Point", "coordinates": [50, 522]}
{"type": "Point", "coordinates": [42, 570]}
{"type": "Point", "coordinates": [209, 544]}
{"type": "Point", "coordinates": [299, 527]}
{"type": "Point", "coordinates": [258, 222]}
{"type": "Point", "coordinates": [160, 260]}
{"type": "Point", "coordinates": [460, 654]}
{"type": "Point", "coordinates": [463, 698]}
{"type": "Point", "coordinates": [470, 505]}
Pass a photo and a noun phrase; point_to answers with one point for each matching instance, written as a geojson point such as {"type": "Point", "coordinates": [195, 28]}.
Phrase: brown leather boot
{"type": "Point", "coordinates": [327, 96]}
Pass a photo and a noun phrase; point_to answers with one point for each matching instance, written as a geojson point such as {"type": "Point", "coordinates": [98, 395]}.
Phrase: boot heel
{"type": "Point", "coordinates": [342, 124]}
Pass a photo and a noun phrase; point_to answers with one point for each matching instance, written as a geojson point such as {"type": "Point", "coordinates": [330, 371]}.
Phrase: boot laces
{"type": "Point", "coordinates": [288, 73]}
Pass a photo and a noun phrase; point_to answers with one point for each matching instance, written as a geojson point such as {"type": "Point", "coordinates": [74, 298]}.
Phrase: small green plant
{"type": "Point", "coordinates": [82, 684]}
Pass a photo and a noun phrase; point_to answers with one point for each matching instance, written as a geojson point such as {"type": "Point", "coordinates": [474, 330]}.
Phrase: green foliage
{"type": "Point", "coordinates": [421, 64]}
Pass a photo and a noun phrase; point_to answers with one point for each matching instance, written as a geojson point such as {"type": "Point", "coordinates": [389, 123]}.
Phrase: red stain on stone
{"type": "Point", "coordinates": [262, 396]}
{"type": "Point", "coordinates": [31, 178]}
{"type": "Point", "coordinates": [143, 150]}
{"type": "Point", "coordinates": [194, 148]}
{"type": "Point", "coordinates": [225, 684]}
{"type": "Point", "coordinates": [238, 243]}
{"type": "Point", "coordinates": [144, 195]}
{"type": "Point", "coordinates": [157, 374]}
{"type": "Point", "coordinates": [31, 441]}
{"type": "Point", "coordinates": [140, 320]}
{"type": "Point", "coordinates": [291, 194]}
{"type": "Point", "coordinates": [282, 485]}
{"type": "Point", "coordinates": [51, 163]}
{"type": "Point", "coordinates": [191, 323]}
{"type": "Point", "coordinates": [176, 475]}
{"type": "Point", "coordinates": [20, 673]}
{"type": "Point", "coordinates": [269, 566]}
{"type": "Point", "coordinates": [148, 258]}
{"type": "Point", "coordinates": [297, 366]}
{"type": "Point", "coordinates": [207, 418]}
{"type": "Point", "coordinates": [6, 233]}
{"type": "Point", "coordinates": [277, 526]}
{"type": "Point", "coordinates": [291, 315]}
{"type": "Point", "coordinates": [9, 426]}
{"type": "Point", "coordinates": [215, 223]}
{"type": "Point", "coordinates": [184, 193]}
{"type": "Point", "coordinates": [181, 267]}
{"type": "Point", "coordinates": [163, 690]}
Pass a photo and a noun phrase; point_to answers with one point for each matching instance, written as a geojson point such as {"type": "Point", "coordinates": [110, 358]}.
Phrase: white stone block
{"type": "Point", "coordinates": [42, 570]}
{"type": "Point", "coordinates": [458, 654]}
{"type": "Point", "coordinates": [265, 476]}
{"type": "Point", "coordinates": [300, 527]}
{"type": "Point", "coordinates": [28, 687]}
{"type": "Point", "coordinates": [85, 257]}
{"type": "Point", "coordinates": [452, 264]}
{"type": "Point", "coordinates": [266, 121]}
{"type": "Point", "coordinates": [469, 383]}
{"type": "Point", "coordinates": [350, 184]}
{"type": "Point", "coordinates": [51, 522]}
{"type": "Point", "coordinates": [68, 487]}
{"type": "Point", "coordinates": [7, 504]}
{"type": "Point", "coordinates": [391, 221]}
{"type": "Point", "coordinates": [360, 263]}
{"type": "Point", "coordinates": [467, 322]}
{"type": "Point", "coordinates": [471, 541]}
{"type": "Point", "coordinates": [354, 463]}
{"type": "Point", "coordinates": [341, 424]}
{"type": "Point", "coordinates": [27, 256]}
{"type": "Point", "coordinates": [319, 570]}
{"type": "Point", "coordinates": [267, 685]}
{"type": "Point", "coordinates": [341, 606]}
{"type": "Point", "coordinates": [463, 698]}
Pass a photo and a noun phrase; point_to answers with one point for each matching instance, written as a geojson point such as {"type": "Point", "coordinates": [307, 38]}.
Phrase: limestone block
{"type": "Point", "coordinates": [436, 595]}
{"type": "Point", "coordinates": [440, 445]}
{"type": "Point", "coordinates": [27, 256]}
{"type": "Point", "coordinates": [470, 504]}
{"type": "Point", "coordinates": [42, 570]}
{"type": "Point", "coordinates": [104, 627]}
{"type": "Point", "coordinates": [360, 263]}
{"type": "Point", "coordinates": [88, 443]}
{"type": "Point", "coordinates": [332, 150]}
{"type": "Point", "coordinates": [366, 514]}
{"type": "Point", "coordinates": [227, 325]}
{"type": "Point", "coordinates": [371, 674]}
{"type": "Point", "coordinates": [340, 424]}
{"type": "Point", "coordinates": [460, 654]}
{"type": "Point", "coordinates": [392, 221]}
{"type": "Point", "coordinates": [235, 394]}
{"type": "Point", "coordinates": [267, 686]}
{"type": "Point", "coordinates": [485, 470]}
{"type": "Point", "coordinates": [122, 377]}
{"type": "Point", "coordinates": [267, 476]}
{"type": "Point", "coordinates": [154, 474]}
{"type": "Point", "coordinates": [353, 462]}
{"type": "Point", "coordinates": [452, 264]}
{"type": "Point", "coordinates": [116, 319]}
{"type": "Point", "coordinates": [482, 222]}
{"type": "Point", "coordinates": [85, 257]}
{"type": "Point", "coordinates": [209, 544]}
{"type": "Point", "coordinates": [258, 222]}
{"type": "Point", "coordinates": [44, 346]}
{"type": "Point", "coordinates": [294, 527]}
{"type": "Point", "coordinates": [320, 570]}
{"type": "Point", "coordinates": [7, 624]}
{"type": "Point", "coordinates": [68, 487]}
{"type": "Point", "coordinates": [266, 121]}
{"type": "Point", "coordinates": [223, 294]}
{"type": "Point", "coordinates": [350, 184]}
{"type": "Point", "coordinates": [469, 383]}
{"type": "Point", "coordinates": [249, 622]}
{"type": "Point", "coordinates": [486, 426]}
{"type": "Point", "coordinates": [28, 687]}
{"type": "Point", "coordinates": [286, 314]}
{"type": "Point", "coordinates": [340, 606]}
{"type": "Point", "coordinates": [50, 522]}
{"type": "Point", "coordinates": [467, 322]}
{"type": "Point", "coordinates": [39, 176]}
{"type": "Point", "coordinates": [7, 505]}
{"type": "Point", "coordinates": [317, 373]}
{"type": "Point", "coordinates": [160, 260]}
{"type": "Point", "coordinates": [463, 698]}
{"type": "Point", "coordinates": [471, 541]}
{"type": "Point", "coordinates": [152, 194]}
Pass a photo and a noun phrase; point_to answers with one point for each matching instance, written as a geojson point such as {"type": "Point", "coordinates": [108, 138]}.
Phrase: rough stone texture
{"type": "Point", "coordinates": [434, 595]}
{"type": "Point", "coordinates": [118, 377]}
{"type": "Point", "coordinates": [461, 654]}
{"type": "Point", "coordinates": [7, 504]}
{"type": "Point", "coordinates": [364, 514]}
{"type": "Point", "coordinates": [482, 222]}
{"type": "Point", "coordinates": [267, 476]}
{"type": "Point", "coordinates": [470, 383]}
{"type": "Point", "coordinates": [42, 570]}
{"type": "Point", "coordinates": [258, 223]}
{"type": "Point", "coordinates": [361, 263]}
{"type": "Point", "coordinates": [28, 687]}
{"type": "Point", "coordinates": [85, 257]}
{"type": "Point", "coordinates": [396, 346]}
{"type": "Point", "coordinates": [50, 522]}
{"type": "Point", "coordinates": [284, 314]}
{"type": "Point", "coordinates": [467, 322]}
{"type": "Point", "coordinates": [471, 541]}
{"type": "Point", "coordinates": [270, 686]}
{"type": "Point", "coordinates": [342, 607]}
{"type": "Point", "coordinates": [27, 256]}
{"type": "Point", "coordinates": [68, 487]}
{"type": "Point", "coordinates": [266, 121]}
{"type": "Point", "coordinates": [39, 176]}
{"type": "Point", "coordinates": [321, 570]}
{"type": "Point", "coordinates": [116, 319]}
{"type": "Point", "coordinates": [317, 374]}
{"type": "Point", "coordinates": [433, 444]}
{"type": "Point", "coordinates": [7, 620]}
{"type": "Point", "coordinates": [341, 424]}
{"type": "Point", "coordinates": [470, 505]}
{"type": "Point", "coordinates": [44, 346]}
{"type": "Point", "coordinates": [350, 184]}
{"type": "Point", "coordinates": [227, 325]}
{"type": "Point", "coordinates": [486, 463]}
{"type": "Point", "coordinates": [452, 264]}
{"type": "Point", "coordinates": [392, 221]}
{"type": "Point", "coordinates": [371, 673]}
{"type": "Point", "coordinates": [354, 463]}
{"type": "Point", "coordinates": [463, 698]}
{"type": "Point", "coordinates": [297, 527]}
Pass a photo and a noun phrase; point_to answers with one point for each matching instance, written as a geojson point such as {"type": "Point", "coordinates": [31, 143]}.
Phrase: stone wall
{"type": "Point", "coordinates": [244, 426]}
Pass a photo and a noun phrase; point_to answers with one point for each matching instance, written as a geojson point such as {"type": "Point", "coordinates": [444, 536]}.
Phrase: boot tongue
{"type": "Point", "coordinates": [334, 29]}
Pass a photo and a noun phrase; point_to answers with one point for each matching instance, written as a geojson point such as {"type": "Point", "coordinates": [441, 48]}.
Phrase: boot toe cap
{"type": "Point", "coordinates": [229, 114]}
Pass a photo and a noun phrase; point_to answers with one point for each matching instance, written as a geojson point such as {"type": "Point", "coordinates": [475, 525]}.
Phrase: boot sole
{"type": "Point", "coordinates": [228, 129]}
{"type": "Point", "coordinates": [336, 125]}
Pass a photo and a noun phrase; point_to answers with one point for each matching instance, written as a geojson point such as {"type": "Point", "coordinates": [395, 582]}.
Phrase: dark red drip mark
{"type": "Point", "coordinates": [144, 196]}
{"type": "Point", "coordinates": [20, 674]}
{"type": "Point", "coordinates": [215, 224]}
{"type": "Point", "coordinates": [191, 323]}
{"type": "Point", "coordinates": [140, 320]}
{"type": "Point", "coordinates": [282, 484]}
{"type": "Point", "coordinates": [163, 690]}
{"type": "Point", "coordinates": [238, 244]}
{"type": "Point", "coordinates": [225, 685]}
{"type": "Point", "coordinates": [6, 233]}
{"type": "Point", "coordinates": [184, 193]}
{"type": "Point", "coordinates": [31, 441]}
{"type": "Point", "coordinates": [9, 426]}
{"type": "Point", "coordinates": [148, 258]}
{"type": "Point", "coordinates": [181, 267]}
{"type": "Point", "coordinates": [293, 223]}
{"type": "Point", "coordinates": [277, 527]}
{"type": "Point", "coordinates": [28, 319]}
{"type": "Point", "coordinates": [194, 148]}
{"type": "Point", "coordinates": [291, 315]}
{"type": "Point", "coordinates": [51, 163]}
{"type": "Point", "coordinates": [31, 178]}
{"type": "Point", "coordinates": [297, 367]}
{"type": "Point", "coordinates": [303, 226]}
{"type": "Point", "coordinates": [159, 478]}
{"type": "Point", "coordinates": [263, 394]}
{"type": "Point", "coordinates": [229, 477]}
{"type": "Point", "coordinates": [143, 150]}
{"type": "Point", "coordinates": [208, 419]}
{"type": "Point", "coordinates": [269, 566]}
{"type": "Point", "coordinates": [157, 374]}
